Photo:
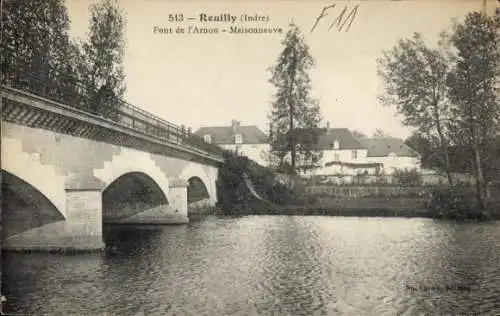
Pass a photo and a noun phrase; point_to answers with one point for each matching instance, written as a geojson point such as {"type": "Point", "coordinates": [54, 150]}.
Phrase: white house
{"type": "Point", "coordinates": [393, 153]}
{"type": "Point", "coordinates": [248, 140]}
{"type": "Point", "coordinates": [342, 153]}
{"type": "Point", "coordinates": [345, 154]}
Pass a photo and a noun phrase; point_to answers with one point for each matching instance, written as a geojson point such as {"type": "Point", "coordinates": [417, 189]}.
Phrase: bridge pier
{"type": "Point", "coordinates": [178, 195]}
{"type": "Point", "coordinates": [80, 231]}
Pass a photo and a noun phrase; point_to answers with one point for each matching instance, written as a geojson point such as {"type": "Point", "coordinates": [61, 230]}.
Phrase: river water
{"type": "Point", "coordinates": [269, 265]}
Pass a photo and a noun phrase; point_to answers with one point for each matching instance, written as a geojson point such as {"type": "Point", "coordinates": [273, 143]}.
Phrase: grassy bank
{"type": "Point", "coordinates": [275, 198]}
{"type": "Point", "coordinates": [232, 188]}
{"type": "Point", "coordinates": [371, 207]}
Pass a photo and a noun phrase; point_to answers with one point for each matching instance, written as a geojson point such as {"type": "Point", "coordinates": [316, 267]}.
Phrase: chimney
{"type": "Point", "coordinates": [328, 127]}
{"type": "Point", "coordinates": [234, 125]}
{"type": "Point", "coordinates": [189, 131]}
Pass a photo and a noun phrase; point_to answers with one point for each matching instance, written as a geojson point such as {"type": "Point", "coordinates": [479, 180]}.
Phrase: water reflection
{"type": "Point", "coordinates": [264, 265]}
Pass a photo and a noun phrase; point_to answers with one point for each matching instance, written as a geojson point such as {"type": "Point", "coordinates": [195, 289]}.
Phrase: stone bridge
{"type": "Point", "coordinates": [65, 172]}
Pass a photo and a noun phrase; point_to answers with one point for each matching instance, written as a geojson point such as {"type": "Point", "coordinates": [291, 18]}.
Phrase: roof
{"type": "Point", "coordinates": [224, 134]}
{"type": "Point", "coordinates": [326, 138]}
{"type": "Point", "coordinates": [383, 146]}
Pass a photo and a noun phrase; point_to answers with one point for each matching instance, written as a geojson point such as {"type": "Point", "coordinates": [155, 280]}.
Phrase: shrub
{"type": "Point", "coordinates": [459, 202]}
{"type": "Point", "coordinates": [407, 177]}
{"type": "Point", "coordinates": [232, 190]}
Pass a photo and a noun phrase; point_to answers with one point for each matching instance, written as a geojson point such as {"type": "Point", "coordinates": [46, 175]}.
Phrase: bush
{"type": "Point", "coordinates": [407, 177]}
{"type": "Point", "coordinates": [232, 190]}
{"type": "Point", "coordinates": [459, 202]}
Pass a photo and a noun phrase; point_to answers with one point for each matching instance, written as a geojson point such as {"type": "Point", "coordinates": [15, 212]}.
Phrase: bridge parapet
{"type": "Point", "coordinates": [25, 108]}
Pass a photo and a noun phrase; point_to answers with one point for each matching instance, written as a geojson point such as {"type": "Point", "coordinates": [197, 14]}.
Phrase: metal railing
{"type": "Point", "coordinates": [68, 90]}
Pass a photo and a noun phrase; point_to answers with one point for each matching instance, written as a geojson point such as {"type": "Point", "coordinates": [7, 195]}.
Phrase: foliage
{"type": "Point", "coordinates": [380, 133]}
{"type": "Point", "coordinates": [293, 107]}
{"type": "Point", "coordinates": [36, 41]}
{"type": "Point", "coordinates": [414, 78]}
{"type": "Point", "coordinates": [473, 86]}
{"type": "Point", "coordinates": [358, 134]}
{"type": "Point", "coordinates": [474, 78]}
{"type": "Point", "coordinates": [462, 160]}
{"type": "Point", "coordinates": [407, 178]}
{"type": "Point", "coordinates": [419, 143]}
{"type": "Point", "coordinates": [232, 191]}
{"type": "Point", "coordinates": [458, 202]}
{"type": "Point", "coordinates": [105, 47]}
{"type": "Point", "coordinates": [35, 38]}
{"type": "Point", "coordinates": [100, 59]}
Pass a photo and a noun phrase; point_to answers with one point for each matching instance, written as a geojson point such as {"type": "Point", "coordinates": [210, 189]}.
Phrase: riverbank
{"type": "Point", "coordinates": [354, 212]}
{"type": "Point", "coordinates": [354, 207]}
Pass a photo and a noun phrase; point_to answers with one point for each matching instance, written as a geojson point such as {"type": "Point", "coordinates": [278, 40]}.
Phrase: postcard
{"type": "Point", "coordinates": [250, 157]}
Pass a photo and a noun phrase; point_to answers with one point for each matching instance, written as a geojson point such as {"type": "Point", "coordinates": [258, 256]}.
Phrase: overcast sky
{"type": "Point", "coordinates": [208, 80]}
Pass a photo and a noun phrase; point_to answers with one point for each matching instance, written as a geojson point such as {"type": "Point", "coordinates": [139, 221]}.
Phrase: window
{"type": "Point", "coordinates": [207, 138]}
{"type": "Point", "coordinates": [354, 154]}
{"type": "Point", "coordinates": [336, 144]}
{"type": "Point", "coordinates": [238, 139]}
{"type": "Point", "coordinates": [337, 157]}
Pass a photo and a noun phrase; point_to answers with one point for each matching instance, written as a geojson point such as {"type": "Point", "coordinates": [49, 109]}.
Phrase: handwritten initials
{"type": "Point", "coordinates": [341, 22]}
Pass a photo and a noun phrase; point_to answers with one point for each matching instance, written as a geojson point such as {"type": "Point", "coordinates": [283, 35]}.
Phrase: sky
{"type": "Point", "coordinates": [209, 79]}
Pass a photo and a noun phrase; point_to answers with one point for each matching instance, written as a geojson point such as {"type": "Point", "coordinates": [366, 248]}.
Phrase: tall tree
{"type": "Point", "coordinates": [414, 78]}
{"type": "Point", "coordinates": [293, 108]}
{"type": "Point", "coordinates": [35, 38]}
{"type": "Point", "coordinates": [104, 50]}
{"type": "Point", "coordinates": [474, 83]}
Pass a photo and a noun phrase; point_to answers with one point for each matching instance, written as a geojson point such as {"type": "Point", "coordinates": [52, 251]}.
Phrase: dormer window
{"type": "Point", "coordinates": [336, 144]}
{"type": "Point", "coordinates": [207, 138]}
{"type": "Point", "coordinates": [238, 139]}
{"type": "Point", "coordinates": [392, 155]}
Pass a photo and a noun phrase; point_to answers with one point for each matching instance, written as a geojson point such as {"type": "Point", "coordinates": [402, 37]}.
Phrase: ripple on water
{"type": "Point", "coordinates": [260, 265]}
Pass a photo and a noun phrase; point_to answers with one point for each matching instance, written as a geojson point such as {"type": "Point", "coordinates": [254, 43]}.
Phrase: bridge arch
{"type": "Point", "coordinates": [27, 207]}
{"type": "Point", "coordinates": [31, 170]}
{"type": "Point", "coordinates": [129, 194]}
{"type": "Point", "coordinates": [196, 190]}
{"type": "Point", "coordinates": [130, 161]}
{"type": "Point", "coordinates": [195, 171]}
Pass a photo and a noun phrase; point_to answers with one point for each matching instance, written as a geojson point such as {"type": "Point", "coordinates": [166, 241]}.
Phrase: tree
{"type": "Point", "coordinates": [358, 134]}
{"type": "Point", "coordinates": [103, 53]}
{"type": "Point", "coordinates": [292, 107]}
{"type": "Point", "coordinates": [35, 38]}
{"type": "Point", "coordinates": [418, 142]}
{"type": "Point", "coordinates": [380, 133]}
{"type": "Point", "coordinates": [473, 86]}
{"type": "Point", "coordinates": [414, 78]}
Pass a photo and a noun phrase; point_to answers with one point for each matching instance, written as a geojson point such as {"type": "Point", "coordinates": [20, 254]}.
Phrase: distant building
{"type": "Point", "coordinates": [345, 154]}
{"type": "Point", "coordinates": [248, 140]}
{"type": "Point", "coordinates": [342, 152]}
{"type": "Point", "coordinates": [393, 153]}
